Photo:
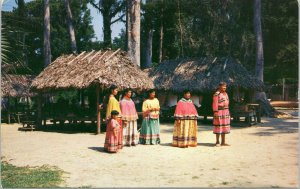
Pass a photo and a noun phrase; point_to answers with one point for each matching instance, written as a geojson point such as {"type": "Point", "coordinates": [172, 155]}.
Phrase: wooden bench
{"type": "Point", "coordinates": [70, 118]}
{"type": "Point", "coordinates": [28, 122]}
{"type": "Point", "coordinates": [239, 111]}
{"type": "Point", "coordinates": [29, 125]}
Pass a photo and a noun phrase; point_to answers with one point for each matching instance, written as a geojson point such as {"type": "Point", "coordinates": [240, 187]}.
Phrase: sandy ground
{"type": "Point", "coordinates": [265, 155]}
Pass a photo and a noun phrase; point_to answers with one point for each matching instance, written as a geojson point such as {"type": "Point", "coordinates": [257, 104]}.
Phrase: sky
{"type": "Point", "coordinates": [96, 21]}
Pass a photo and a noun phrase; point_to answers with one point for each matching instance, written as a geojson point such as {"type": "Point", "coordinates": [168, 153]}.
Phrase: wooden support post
{"type": "Point", "coordinates": [39, 110]}
{"type": "Point", "coordinates": [27, 103]}
{"type": "Point", "coordinates": [81, 98]}
{"type": "Point", "coordinates": [8, 110]}
{"type": "Point", "coordinates": [283, 89]}
{"type": "Point", "coordinates": [258, 114]}
{"type": "Point", "coordinates": [98, 110]}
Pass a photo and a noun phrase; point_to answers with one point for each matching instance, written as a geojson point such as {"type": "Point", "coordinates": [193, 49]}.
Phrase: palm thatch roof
{"type": "Point", "coordinates": [202, 75]}
{"type": "Point", "coordinates": [88, 68]}
{"type": "Point", "coordinates": [16, 85]}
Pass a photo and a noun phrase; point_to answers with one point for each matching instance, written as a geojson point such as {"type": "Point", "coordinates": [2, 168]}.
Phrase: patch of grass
{"type": "Point", "coordinates": [171, 181]}
{"type": "Point", "coordinates": [225, 183]}
{"type": "Point", "coordinates": [32, 177]}
{"type": "Point", "coordinates": [89, 186]}
{"type": "Point", "coordinates": [195, 177]}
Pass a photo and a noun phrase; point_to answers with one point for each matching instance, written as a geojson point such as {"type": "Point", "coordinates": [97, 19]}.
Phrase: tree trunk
{"type": "Point", "coordinates": [71, 27]}
{"type": "Point", "coordinates": [161, 39]}
{"type": "Point", "coordinates": [106, 28]}
{"type": "Point", "coordinates": [161, 42]}
{"type": "Point", "coordinates": [134, 25]}
{"type": "Point", "coordinates": [259, 67]}
{"type": "Point", "coordinates": [128, 28]}
{"type": "Point", "coordinates": [261, 97]}
{"type": "Point", "coordinates": [149, 32]}
{"type": "Point", "coordinates": [109, 9]}
{"type": "Point", "coordinates": [47, 48]}
{"type": "Point", "coordinates": [149, 49]}
{"type": "Point", "coordinates": [180, 28]}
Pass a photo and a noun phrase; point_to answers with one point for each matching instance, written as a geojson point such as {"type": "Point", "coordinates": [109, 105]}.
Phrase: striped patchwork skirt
{"type": "Point", "coordinates": [222, 122]}
{"type": "Point", "coordinates": [112, 143]}
{"type": "Point", "coordinates": [130, 134]}
{"type": "Point", "coordinates": [185, 133]}
{"type": "Point", "coordinates": [149, 133]}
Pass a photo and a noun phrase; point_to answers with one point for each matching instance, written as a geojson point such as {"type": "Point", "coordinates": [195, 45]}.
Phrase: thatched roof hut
{"type": "Point", "coordinates": [202, 75]}
{"type": "Point", "coordinates": [90, 68]}
{"type": "Point", "coordinates": [16, 85]}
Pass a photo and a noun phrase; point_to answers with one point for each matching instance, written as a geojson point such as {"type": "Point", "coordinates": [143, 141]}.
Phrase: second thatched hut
{"type": "Point", "coordinates": [202, 76]}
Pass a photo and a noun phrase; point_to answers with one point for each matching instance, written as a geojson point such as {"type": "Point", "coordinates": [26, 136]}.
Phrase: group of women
{"type": "Point", "coordinates": [122, 120]}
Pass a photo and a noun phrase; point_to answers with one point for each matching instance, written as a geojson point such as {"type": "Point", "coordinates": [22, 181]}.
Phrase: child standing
{"type": "Point", "coordinates": [113, 141]}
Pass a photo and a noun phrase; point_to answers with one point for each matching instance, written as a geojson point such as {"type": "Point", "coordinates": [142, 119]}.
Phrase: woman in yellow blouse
{"type": "Point", "coordinates": [150, 127]}
{"type": "Point", "coordinates": [113, 104]}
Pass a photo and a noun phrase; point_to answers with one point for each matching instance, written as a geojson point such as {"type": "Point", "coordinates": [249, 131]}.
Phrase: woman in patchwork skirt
{"type": "Point", "coordinates": [150, 126]}
{"type": "Point", "coordinates": [185, 126]}
{"type": "Point", "coordinates": [221, 119]}
{"type": "Point", "coordinates": [113, 104]}
{"type": "Point", "coordinates": [129, 117]}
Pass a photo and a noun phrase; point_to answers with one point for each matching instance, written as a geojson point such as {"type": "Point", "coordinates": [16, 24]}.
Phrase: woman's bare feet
{"type": "Point", "coordinates": [225, 144]}
{"type": "Point", "coordinates": [217, 144]}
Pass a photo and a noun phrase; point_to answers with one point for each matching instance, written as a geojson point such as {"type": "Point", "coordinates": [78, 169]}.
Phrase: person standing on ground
{"type": "Point", "coordinates": [112, 135]}
{"type": "Point", "coordinates": [129, 117]}
{"type": "Point", "coordinates": [150, 126]}
{"type": "Point", "coordinates": [221, 120]}
{"type": "Point", "coordinates": [185, 126]}
{"type": "Point", "coordinates": [113, 104]}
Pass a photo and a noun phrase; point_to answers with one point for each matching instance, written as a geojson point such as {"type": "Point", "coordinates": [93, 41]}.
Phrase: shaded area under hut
{"type": "Point", "coordinates": [89, 72]}
{"type": "Point", "coordinates": [16, 97]}
{"type": "Point", "coordinates": [202, 76]}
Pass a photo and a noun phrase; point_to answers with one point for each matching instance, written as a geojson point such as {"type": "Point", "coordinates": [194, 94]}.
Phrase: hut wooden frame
{"type": "Point", "coordinates": [202, 76]}
{"type": "Point", "coordinates": [95, 68]}
{"type": "Point", "coordinates": [13, 86]}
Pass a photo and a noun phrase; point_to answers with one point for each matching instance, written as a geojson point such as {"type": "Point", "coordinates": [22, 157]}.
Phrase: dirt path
{"type": "Point", "coordinates": [265, 155]}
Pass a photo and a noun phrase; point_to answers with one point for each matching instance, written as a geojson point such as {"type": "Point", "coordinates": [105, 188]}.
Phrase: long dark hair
{"type": "Point", "coordinates": [186, 91]}
{"type": "Point", "coordinates": [111, 88]}
{"type": "Point", "coordinates": [126, 91]}
{"type": "Point", "coordinates": [149, 92]}
{"type": "Point", "coordinates": [222, 83]}
{"type": "Point", "coordinates": [109, 92]}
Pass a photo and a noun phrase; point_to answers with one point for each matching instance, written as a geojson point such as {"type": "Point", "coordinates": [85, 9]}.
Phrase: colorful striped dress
{"type": "Point", "coordinates": [185, 126]}
{"type": "Point", "coordinates": [113, 104]}
{"type": "Point", "coordinates": [112, 143]}
{"type": "Point", "coordinates": [221, 121]}
{"type": "Point", "coordinates": [129, 114]}
{"type": "Point", "coordinates": [149, 133]}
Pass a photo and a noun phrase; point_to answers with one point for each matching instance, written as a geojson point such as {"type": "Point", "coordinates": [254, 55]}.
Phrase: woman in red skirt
{"type": "Point", "coordinates": [112, 138]}
{"type": "Point", "coordinates": [221, 120]}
